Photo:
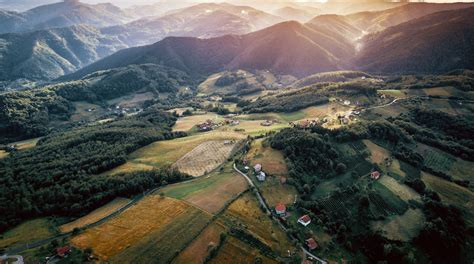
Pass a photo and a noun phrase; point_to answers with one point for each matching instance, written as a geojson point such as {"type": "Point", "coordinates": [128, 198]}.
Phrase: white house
{"type": "Point", "coordinates": [261, 176]}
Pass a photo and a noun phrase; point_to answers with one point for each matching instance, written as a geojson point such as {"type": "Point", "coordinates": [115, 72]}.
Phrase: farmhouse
{"type": "Point", "coordinates": [280, 209]}
{"type": "Point", "coordinates": [261, 176]}
{"type": "Point", "coordinates": [266, 123]}
{"type": "Point", "coordinates": [347, 102]}
{"type": "Point", "coordinates": [63, 251]}
{"type": "Point", "coordinates": [311, 243]}
{"type": "Point", "coordinates": [375, 175]}
{"type": "Point", "coordinates": [304, 220]}
{"type": "Point", "coordinates": [257, 167]}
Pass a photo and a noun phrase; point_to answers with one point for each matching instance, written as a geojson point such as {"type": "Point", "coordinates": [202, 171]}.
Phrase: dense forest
{"type": "Point", "coordinates": [59, 176]}
{"type": "Point", "coordinates": [27, 114]}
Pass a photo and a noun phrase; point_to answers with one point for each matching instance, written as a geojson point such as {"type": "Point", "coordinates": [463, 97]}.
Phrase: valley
{"type": "Point", "coordinates": [226, 133]}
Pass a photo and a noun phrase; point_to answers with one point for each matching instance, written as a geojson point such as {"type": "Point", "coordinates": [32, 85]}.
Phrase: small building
{"type": "Point", "coordinates": [266, 123]}
{"type": "Point", "coordinates": [257, 168]}
{"type": "Point", "coordinates": [304, 220]}
{"type": "Point", "coordinates": [261, 176]}
{"type": "Point", "coordinates": [311, 243]}
{"type": "Point", "coordinates": [63, 251]}
{"type": "Point", "coordinates": [375, 175]}
{"type": "Point", "coordinates": [280, 209]}
{"type": "Point", "coordinates": [347, 102]}
{"type": "Point", "coordinates": [307, 261]}
{"type": "Point", "coordinates": [234, 122]}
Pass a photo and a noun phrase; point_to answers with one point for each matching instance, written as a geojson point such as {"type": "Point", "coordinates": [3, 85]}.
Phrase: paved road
{"type": "Point", "coordinates": [262, 202]}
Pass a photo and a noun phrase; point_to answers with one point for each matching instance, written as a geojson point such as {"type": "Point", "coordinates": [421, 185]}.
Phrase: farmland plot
{"type": "Point", "coordinates": [95, 215]}
{"type": "Point", "coordinates": [205, 157]}
{"type": "Point", "coordinates": [401, 227]}
{"type": "Point", "coordinates": [153, 218]}
{"type": "Point", "coordinates": [404, 192]}
{"type": "Point", "coordinates": [237, 252]}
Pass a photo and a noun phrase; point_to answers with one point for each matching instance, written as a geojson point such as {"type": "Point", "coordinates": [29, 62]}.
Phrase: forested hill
{"type": "Point", "coordinates": [27, 114]}
{"type": "Point", "coordinates": [58, 176]}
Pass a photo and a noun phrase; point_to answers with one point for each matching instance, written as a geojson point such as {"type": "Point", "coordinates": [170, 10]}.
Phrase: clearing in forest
{"type": "Point", "coordinates": [401, 227]}
{"type": "Point", "coordinates": [95, 215]}
{"type": "Point", "coordinates": [205, 157]}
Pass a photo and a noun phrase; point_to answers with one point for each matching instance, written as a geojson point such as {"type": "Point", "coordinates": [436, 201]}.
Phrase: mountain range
{"type": "Point", "coordinates": [48, 54]}
{"type": "Point", "coordinates": [202, 20]}
{"type": "Point", "coordinates": [62, 14]}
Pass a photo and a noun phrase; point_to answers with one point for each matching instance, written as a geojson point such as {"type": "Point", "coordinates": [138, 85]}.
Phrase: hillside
{"type": "Point", "coordinates": [48, 54]}
{"type": "Point", "coordinates": [62, 14]}
{"type": "Point", "coordinates": [302, 14]}
{"type": "Point", "coordinates": [380, 20]}
{"type": "Point", "coordinates": [202, 20]}
{"type": "Point", "coordinates": [422, 45]}
{"type": "Point", "coordinates": [285, 48]}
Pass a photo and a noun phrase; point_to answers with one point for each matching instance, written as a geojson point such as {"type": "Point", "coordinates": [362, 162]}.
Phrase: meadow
{"type": "Point", "coordinates": [28, 231]}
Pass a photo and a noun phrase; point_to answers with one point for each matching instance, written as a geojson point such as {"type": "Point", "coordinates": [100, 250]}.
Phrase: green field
{"type": "Point", "coordinates": [28, 231]}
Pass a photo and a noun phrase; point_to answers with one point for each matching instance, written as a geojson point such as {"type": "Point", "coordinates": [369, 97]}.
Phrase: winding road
{"type": "Point", "coordinates": [264, 205]}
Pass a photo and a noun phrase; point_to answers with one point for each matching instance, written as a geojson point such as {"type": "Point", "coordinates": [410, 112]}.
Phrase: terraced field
{"type": "Point", "coordinates": [209, 193]}
{"type": "Point", "coordinates": [166, 153]}
{"type": "Point", "coordinates": [246, 211]}
{"type": "Point", "coordinates": [199, 249]}
{"type": "Point", "coordinates": [152, 230]}
{"type": "Point", "coordinates": [95, 215]}
{"type": "Point", "coordinates": [205, 157]}
{"type": "Point", "coordinates": [237, 252]}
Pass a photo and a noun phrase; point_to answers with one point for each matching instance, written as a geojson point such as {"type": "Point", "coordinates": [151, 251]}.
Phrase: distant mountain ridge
{"type": "Point", "coordinates": [288, 47]}
{"type": "Point", "coordinates": [48, 54]}
{"type": "Point", "coordinates": [62, 14]}
{"type": "Point", "coordinates": [201, 20]}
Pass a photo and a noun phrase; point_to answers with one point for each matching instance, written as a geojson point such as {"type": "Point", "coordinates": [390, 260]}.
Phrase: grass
{"type": "Point", "coordinates": [272, 161]}
{"type": "Point", "coordinates": [146, 228]}
{"type": "Point", "coordinates": [401, 227]}
{"type": "Point", "coordinates": [28, 231]}
{"type": "Point", "coordinates": [394, 93]}
{"type": "Point", "coordinates": [378, 154]}
{"type": "Point", "coordinates": [245, 212]}
{"type": "Point", "coordinates": [199, 249]}
{"type": "Point", "coordinates": [81, 112]}
{"type": "Point", "coordinates": [236, 251]}
{"type": "Point", "coordinates": [166, 153]}
{"type": "Point", "coordinates": [395, 203]}
{"type": "Point", "coordinates": [205, 157]}
{"type": "Point", "coordinates": [188, 122]}
{"type": "Point", "coordinates": [401, 190]}
{"type": "Point", "coordinates": [452, 193]}
{"type": "Point", "coordinates": [209, 193]}
{"type": "Point", "coordinates": [95, 215]}
{"type": "Point", "coordinates": [3, 154]}
{"type": "Point", "coordinates": [254, 128]}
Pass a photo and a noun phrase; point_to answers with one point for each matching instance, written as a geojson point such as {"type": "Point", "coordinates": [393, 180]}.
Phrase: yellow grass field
{"type": "Point", "coordinates": [440, 91]}
{"type": "Point", "coordinates": [144, 229]}
{"type": "Point", "coordinates": [129, 101]}
{"type": "Point", "coordinates": [209, 193]}
{"type": "Point", "coordinates": [3, 154]}
{"type": "Point", "coordinates": [198, 250]}
{"type": "Point", "coordinates": [205, 157]}
{"type": "Point", "coordinates": [28, 231]}
{"type": "Point", "coordinates": [401, 190]}
{"type": "Point", "coordinates": [254, 127]}
{"type": "Point", "coordinates": [235, 251]}
{"type": "Point", "coordinates": [452, 193]}
{"type": "Point", "coordinates": [25, 144]}
{"type": "Point", "coordinates": [401, 227]}
{"type": "Point", "coordinates": [378, 154]}
{"type": "Point", "coordinates": [163, 153]}
{"type": "Point", "coordinates": [81, 112]}
{"type": "Point", "coordinates": [95, 215]}
{"type": "Point", "coordinates": [246, 211]}
{"type": "Point", "coordinates": [188, 122]}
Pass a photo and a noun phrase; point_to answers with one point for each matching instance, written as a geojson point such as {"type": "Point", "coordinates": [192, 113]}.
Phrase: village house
{"type": "Point", "coordinates": [375, 175]}
{"type": "Point", "coordinates": [311, 243]}
{"type": "Point", "coordinates": [261, 176]}
{"type": "Point", "coordinates": [266, 123]}
{"type": "Point", "coordinates": [347, 102]}
{"type": "Point", "coordinates": [63, 251]}
{"type": "Point", "coordinates": [280, 210]}
{"type": "Point", "coordinates": [257, 167]}
{"type": "Point", "coordinates": [305, 220]}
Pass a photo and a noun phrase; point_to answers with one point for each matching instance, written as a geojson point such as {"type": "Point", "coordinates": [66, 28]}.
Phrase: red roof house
{"type": "Point", "coordinates": [63, 251]}
{"type": "Point", "coordinates": [311, 243]}
{"type": "Point", "coordinates": [375, 175]}
{"type": "Point", "coordinates": [304, 220]}
{"type": "Point", "coordinates": [307, 261]}
{"type": "Point", "coordinates": [280, 209]}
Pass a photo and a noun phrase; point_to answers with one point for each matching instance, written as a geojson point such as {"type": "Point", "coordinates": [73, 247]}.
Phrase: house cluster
{"type": "Point", "coordinates": [207, 125]}
{"type": "Point", "coordinates": [348, 116]}
{"type": "Point", "coordinates": [120, 110]}
{"type": "Point", "coordinates": [269, 122]}
{"type": "Point", "coordinates": [259, 173]}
